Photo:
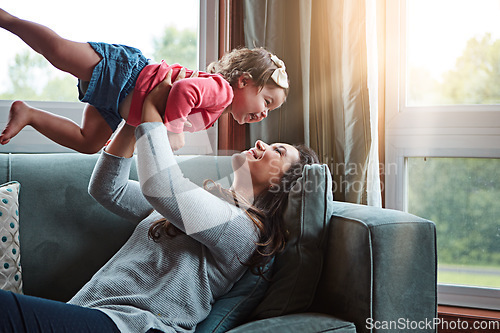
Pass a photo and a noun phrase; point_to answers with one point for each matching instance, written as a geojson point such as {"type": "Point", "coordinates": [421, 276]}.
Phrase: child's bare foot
{"type": "Point", "coordinates": [19, 117]}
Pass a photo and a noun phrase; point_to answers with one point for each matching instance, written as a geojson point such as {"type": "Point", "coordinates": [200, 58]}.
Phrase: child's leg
{"type": "Point", "coordinates": [78, 59]}
{"type": "Point", "coordinates": [88, 139]}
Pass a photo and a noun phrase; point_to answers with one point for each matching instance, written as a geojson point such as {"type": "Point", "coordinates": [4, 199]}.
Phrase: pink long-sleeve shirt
{"type": "Point", "coordinates": [200, 100]}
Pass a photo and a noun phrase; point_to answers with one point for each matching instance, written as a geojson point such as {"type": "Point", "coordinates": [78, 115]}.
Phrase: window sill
{"type": "Point", "coordinates": [457, 318]}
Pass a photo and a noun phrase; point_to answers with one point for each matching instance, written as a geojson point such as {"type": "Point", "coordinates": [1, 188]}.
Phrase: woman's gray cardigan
{"type": "Point", "coordinates": [169, 285]}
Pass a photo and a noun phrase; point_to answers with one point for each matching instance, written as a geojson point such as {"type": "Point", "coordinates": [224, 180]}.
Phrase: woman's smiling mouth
{"type": "Point", "coordinates": [253, 153]}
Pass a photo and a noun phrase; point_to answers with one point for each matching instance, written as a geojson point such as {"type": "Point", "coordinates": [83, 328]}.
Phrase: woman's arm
{"type": "Point", "coordinates": [123, 142]}
{"type": "Point", "coordinates": [110, 184]}
{"type": "Point", "coordinates": [184, 204]}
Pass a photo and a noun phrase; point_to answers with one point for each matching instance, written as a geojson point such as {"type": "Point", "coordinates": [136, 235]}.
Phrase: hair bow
{"type": "Point", "coordinates": [279, 75]}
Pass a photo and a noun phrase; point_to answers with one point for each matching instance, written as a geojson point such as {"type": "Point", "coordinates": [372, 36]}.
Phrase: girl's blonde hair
{"type": "Point", "coordinates": [256, 63]}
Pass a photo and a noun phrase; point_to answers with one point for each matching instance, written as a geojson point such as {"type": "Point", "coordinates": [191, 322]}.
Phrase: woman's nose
{"type": "Point", "coordinates": [260, 145]}
{"type": "Point", "coordinates": [263, 114]}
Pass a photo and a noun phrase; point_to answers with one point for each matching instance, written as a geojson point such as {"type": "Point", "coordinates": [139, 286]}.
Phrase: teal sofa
{"type": "Point", "coordinates": [346, 267]}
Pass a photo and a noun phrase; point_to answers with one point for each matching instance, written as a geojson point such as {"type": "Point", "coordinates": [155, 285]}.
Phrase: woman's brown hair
{"type": "Point", "coordinates": [266, 212]}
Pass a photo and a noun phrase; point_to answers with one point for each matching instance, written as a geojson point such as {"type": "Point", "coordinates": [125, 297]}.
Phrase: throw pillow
{"type": "Point", "coordinates": [10, 257]}
{"type": "Point", "coordinates": [297, 269]}
{"type": "Point", "coordinates": [237, 305]}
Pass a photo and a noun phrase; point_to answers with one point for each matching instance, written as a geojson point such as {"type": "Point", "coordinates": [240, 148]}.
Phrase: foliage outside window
{"type": "Point", "coordinates": [461, 196]}
{"type": "Point", "coordinates": [472, 80]}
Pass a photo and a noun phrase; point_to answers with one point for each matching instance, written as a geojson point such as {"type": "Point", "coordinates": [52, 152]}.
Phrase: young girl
{"type": "Point", "coordinates": [114, 80]}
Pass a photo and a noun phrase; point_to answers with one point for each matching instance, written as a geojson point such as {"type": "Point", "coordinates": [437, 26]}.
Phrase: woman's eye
{"type": "Point", "coordinates": [278, 151]}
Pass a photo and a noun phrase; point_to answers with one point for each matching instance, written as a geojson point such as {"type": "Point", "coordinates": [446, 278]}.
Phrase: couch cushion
{"type": "Point", "coordinates": [66, 236]}
{"type": "Point", "coordinates": [302, 322]}
{"type": "Point", "coordinates": [10, 262]}
{"type": "Point", "coordinates": [298, 268]}
{"type": "Point", "coordinates": [235, 307]}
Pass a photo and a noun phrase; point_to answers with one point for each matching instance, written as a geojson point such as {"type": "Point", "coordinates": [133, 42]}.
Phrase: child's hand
{"type": "Point", "coordinates": [176, 140]}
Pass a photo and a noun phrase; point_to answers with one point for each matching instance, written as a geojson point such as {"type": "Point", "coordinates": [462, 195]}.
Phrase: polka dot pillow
{"type": "Point", "coordinates": [10, 261]}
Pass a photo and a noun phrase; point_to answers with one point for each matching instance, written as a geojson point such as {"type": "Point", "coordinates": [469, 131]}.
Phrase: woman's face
{"type": "Point", "coordinates": [265, 164]}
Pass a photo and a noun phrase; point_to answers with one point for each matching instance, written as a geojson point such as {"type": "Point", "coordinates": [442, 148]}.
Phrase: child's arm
{"type": "Point", "coordinates": [177, 140]}
{"type": "Point", "coordinates": [212, 94]}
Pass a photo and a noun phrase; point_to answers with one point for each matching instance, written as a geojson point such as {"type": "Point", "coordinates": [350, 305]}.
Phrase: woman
{"type": "Point", "coordinates": [190, 245]}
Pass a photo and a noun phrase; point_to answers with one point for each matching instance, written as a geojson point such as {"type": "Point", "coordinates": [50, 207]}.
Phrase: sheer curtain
{"type": "Point", "coordinates": [330, 51]}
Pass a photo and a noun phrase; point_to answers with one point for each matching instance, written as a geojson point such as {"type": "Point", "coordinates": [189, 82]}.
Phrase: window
{"type": "Point", "coordinates": [461, 195]}
{"type": "Point", "coordinates": [453, 48]}
{"type": "Point", "coordinates": [161, 29]}
{"type": "Point", "coordinates": [443, 136]}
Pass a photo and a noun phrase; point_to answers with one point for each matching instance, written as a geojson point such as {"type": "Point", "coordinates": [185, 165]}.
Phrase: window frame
{"type": "Point", "coordinates": [204, 142]}
{"type": "Point", "coordinates": [432, 131]}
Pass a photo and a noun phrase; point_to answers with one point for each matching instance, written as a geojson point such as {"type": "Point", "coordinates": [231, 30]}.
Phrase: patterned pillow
{"type": "Point", "coordinates": [10, 257]}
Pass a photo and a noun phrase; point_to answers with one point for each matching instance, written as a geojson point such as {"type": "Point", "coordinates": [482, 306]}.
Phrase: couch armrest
{"type": "Point", "coordinates": [380, 268]}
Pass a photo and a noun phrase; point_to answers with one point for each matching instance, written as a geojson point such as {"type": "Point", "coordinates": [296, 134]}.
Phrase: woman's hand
{"type": "Point", "coordinates": [155, 103]}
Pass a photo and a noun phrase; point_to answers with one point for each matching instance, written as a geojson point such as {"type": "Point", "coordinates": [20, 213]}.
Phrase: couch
{"type": "Point", "coordinates": [345, 268]}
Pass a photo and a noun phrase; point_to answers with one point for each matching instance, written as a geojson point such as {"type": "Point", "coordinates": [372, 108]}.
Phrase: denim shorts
{"type": "Point", "coordinates": [112, 80]}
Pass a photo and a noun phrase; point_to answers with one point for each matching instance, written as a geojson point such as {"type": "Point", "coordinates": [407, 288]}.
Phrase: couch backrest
{"type": "Point", "coordinates": [65, 235]}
